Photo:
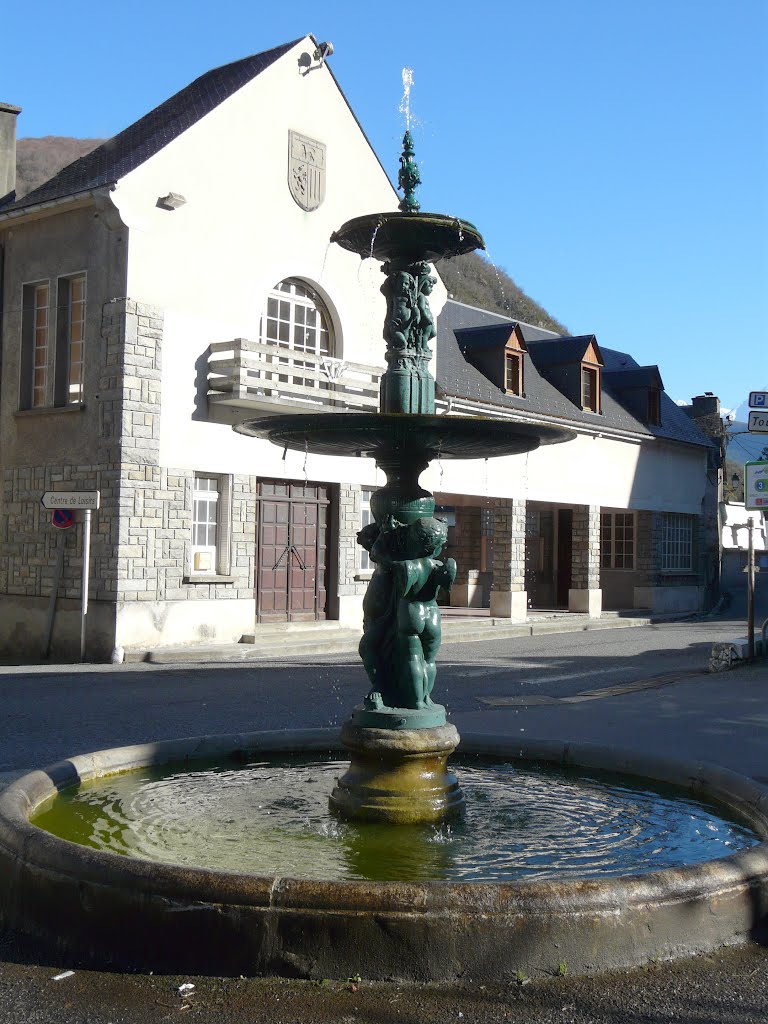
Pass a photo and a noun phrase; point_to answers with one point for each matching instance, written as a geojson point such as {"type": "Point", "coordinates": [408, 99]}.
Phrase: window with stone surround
{"type": "Point", "coordinates": [211, 524]}
{"type": "Point", "coordinates": [366, 517]}
{"type": "Point", "coordinates": [676, 542]}
{"type": "Point", "coordinates": [35, 345]}
{"type": "Point", "coordinates": [53, 343]}
{"type": "Point", "coordinates": [70, 340]}
{"type": "Point", "coordinates": [617, 540]}
{"type": "Point", "coordinates": [296, 318]}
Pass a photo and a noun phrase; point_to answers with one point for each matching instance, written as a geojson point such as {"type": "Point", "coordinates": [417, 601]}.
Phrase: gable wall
{"type": "Point", "coordinates": [210, 264]}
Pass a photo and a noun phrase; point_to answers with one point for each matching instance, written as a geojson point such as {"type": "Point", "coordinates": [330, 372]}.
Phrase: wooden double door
{"type": "Point", "coordinates": [292, 529]}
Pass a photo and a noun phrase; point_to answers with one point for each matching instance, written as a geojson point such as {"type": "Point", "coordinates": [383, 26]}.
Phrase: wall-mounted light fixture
{"type": "Point", "coordinates": [323, 50]}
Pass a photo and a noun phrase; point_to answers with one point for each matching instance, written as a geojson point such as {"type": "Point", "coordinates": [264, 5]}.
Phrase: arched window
{"type": "Point", "coordinates": [296, 318]}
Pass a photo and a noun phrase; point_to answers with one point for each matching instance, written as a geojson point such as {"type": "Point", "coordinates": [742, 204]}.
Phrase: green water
{"type": "Point", "coordinates": [271, 818]}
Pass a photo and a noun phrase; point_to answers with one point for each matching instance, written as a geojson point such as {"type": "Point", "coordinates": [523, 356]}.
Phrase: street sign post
{"type": "Point", "coordinates": [758, 422]}
{"type": "Point", "coordinates": [85, 502]}
{"type": "Point", "coordinates": [756, 486]}
{"type": "Point", "coordinates": [71, 499]}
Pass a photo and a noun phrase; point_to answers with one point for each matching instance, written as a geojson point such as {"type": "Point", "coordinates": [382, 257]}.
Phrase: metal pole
{"type": "Point", "coordinates": [751, 592]}
{"type": "Point", "coordinates": [62, 539]}
{"type": "Point", "coordinates": [86, 561]}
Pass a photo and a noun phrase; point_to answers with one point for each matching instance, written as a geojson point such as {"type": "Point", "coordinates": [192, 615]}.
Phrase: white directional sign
{"type": "Point", "coordinates": [756, 486]}
{"type": "Point", "coordinates": [758, 399]}
{"type": "Point", "coordinates": [71, 499]}
{"type": "Point", "coordinates": [758, 422]}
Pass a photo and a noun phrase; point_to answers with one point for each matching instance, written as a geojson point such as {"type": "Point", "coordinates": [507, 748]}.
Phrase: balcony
{"type": "Point", "coordinates": [248, 375]}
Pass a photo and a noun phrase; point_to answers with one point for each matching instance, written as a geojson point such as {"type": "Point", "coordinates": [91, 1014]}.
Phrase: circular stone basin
{"type": "Point", "coordinates": [271, 816]}
{"type": "Point", "coordinates": [408, 237]}
{"type": "Point", "coordinates": [382, 434]}
{"type": "Point", "coordinates": [113, 910]}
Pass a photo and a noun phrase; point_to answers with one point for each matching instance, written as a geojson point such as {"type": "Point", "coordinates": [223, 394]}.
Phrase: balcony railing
{"type": "Point", "coordinates": [250, 375]}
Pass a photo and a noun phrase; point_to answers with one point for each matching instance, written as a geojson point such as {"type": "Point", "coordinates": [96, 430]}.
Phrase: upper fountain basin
{"type": "Point", "coordinates": [408, 237]}
{"type": "Point", "coordinates": [378, 435]}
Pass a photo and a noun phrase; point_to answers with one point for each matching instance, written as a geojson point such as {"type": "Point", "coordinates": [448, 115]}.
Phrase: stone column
{"type": "Point", "coordinates": [509, 599]}
{"type": "Point", "coordinates": [585, 594]}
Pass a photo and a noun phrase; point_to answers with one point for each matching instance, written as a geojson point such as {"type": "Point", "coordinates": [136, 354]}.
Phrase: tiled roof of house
{"type": "Point", "coordinates": [557, 351]}
{"type": "Point", "coordinates": [147, 136]}
{"type": "Point", "coordinates": [624, 378]}
{"type": "Point", "coordinates": [458, 378]}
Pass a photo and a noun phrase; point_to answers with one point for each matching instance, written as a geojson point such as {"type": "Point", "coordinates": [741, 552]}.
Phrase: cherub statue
{"type": "Point", "coordinates": [425, 330]}
{"type": "Point", "coordinates": [417, 581]}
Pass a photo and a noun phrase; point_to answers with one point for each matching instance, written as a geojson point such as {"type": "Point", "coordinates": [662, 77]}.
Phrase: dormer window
{"type": "Point", "coordinates": [513, 373]}
{"type": "Point", "coordinates": [590, 388]}
{"type": "Point", "coordinates": [498, 352]}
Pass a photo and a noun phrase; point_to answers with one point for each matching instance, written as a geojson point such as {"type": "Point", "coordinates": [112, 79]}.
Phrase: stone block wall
{"type": "Point", "coordinates": [585, 558]}
{"type": "Point", "coordinates": [464, 543]}
{"type": "Point", "coordinates": [509, 545]}
{"type": "Point", "coordinates": [349, 522]}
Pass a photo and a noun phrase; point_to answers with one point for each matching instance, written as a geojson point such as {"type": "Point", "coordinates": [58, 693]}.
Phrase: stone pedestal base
{"type": "Point", "coordinates": [398, 775]}
{"type": "Point", "coordinates": [509, 604]}
{"type": "Point", "coordinates": [589, 601]}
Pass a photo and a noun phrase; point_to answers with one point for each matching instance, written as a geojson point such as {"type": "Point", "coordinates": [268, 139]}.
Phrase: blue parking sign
{"type": "Point", "coordinates": [758, 399]}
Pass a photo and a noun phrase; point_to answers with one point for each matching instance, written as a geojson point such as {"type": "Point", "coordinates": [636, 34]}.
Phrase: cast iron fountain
{"type": "Point", "coordinates": [399, 738]}
{"type": "Point", "coordinates": [97, 907]}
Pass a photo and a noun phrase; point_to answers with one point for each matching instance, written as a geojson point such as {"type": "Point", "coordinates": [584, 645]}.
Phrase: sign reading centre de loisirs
{"type": "Point", "coordinates": [71, 499]}
{"type": "Point", "coordinates": [756, 486]}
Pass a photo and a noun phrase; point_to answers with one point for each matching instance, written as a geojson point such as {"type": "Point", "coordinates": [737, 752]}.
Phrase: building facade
{"type": "Point", "coordinates": [178, 280]}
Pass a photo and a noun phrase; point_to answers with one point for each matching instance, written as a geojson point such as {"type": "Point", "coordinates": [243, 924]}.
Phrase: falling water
{"type": "Point", "coordinates": [405, 102]}
{"type": "Point", "coordinates": [306, 456]}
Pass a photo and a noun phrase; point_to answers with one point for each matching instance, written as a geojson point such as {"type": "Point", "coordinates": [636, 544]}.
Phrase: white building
{"type": "Point", "coordinates": [179, 279]}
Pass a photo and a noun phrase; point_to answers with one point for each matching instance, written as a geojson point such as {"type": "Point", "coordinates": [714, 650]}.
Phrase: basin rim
{"type": "Point", "coordinates": [740, 794]}
{"type": "Point", "coordinates": [415, 931]}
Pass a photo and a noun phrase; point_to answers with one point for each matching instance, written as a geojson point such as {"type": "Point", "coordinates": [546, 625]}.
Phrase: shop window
{"type": "Point", "coordinates": [617, 540]}
{"type": "Point", "coordinates": [676, 542]}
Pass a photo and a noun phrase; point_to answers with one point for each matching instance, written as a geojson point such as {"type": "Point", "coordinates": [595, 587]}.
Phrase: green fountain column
{"type": "Point", "coordinates": [399, 740]}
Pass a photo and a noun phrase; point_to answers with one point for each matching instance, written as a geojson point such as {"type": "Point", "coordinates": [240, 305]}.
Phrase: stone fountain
{"type": "Point", "coordinates": [95, 907]}
{"type": "Point", "coordinates": [398, 738]}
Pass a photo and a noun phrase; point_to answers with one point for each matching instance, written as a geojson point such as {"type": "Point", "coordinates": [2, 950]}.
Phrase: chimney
{"type": "Point", "coordinates": [8, 115]}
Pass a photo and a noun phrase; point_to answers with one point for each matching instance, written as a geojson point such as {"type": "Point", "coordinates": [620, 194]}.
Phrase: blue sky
{"type": "Point", "coordinates": [614, 155]}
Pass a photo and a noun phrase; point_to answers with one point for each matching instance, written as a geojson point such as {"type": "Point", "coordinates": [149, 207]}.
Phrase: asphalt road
{"type": "Point", "coordinates": [54, 712]}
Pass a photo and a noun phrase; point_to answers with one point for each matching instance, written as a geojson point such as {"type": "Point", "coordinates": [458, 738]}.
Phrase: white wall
{"type": "Point", "coordinates": [654, 475]}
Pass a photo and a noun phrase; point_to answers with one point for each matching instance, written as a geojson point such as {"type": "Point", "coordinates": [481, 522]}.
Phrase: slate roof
{"type": "Point", "coordinates": [458, 378]}
{"type": "Point", "coordinates": [151, 133]}
{"type": "Point", "coordinates": [629, 377]}
{"type": "Point", "coordinates": [479, 338]}
{"type": "Point", "coordinates": [558, 351]}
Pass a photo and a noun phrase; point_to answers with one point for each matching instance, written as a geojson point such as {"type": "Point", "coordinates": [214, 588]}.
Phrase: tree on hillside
{"type": "Point", "coordinates": [474, 280]}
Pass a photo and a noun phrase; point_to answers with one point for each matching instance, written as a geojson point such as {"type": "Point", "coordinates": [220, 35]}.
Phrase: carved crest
{"type": "Point", "coordinates": [306, 170]}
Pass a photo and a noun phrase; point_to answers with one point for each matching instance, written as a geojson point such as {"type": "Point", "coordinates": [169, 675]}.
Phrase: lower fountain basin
{"type": "Point", "coordinates": [111, 910]}
{"type": "Point", "coordinates": [378, 435]}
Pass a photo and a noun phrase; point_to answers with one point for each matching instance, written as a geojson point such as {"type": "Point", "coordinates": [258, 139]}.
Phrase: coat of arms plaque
{"type": "Point", "coordinates": [306, 170]}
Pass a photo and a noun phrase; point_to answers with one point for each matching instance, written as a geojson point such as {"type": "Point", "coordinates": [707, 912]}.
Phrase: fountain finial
{"type": "Point", "coordinates": [408, 177]}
